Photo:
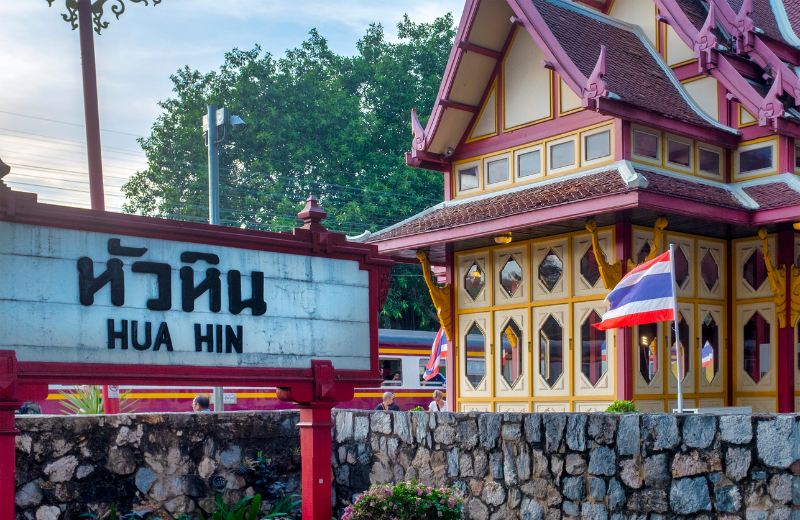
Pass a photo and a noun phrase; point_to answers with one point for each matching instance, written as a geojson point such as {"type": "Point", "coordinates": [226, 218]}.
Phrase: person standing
{"type": "Point", "coordinates": [388, 403]}
{"type": "Point", "coordinates": [438, 404]}
{"type": "Point", "coordinates": [200, 403]}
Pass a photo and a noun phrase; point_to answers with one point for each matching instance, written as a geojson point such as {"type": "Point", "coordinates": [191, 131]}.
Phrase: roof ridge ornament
{"type": "Point", "coordinates": [746, 27]}
{"type": "Point", "coordinates": [419, 132]}
{"type": "Point", "coordinates": [706, 44]}
{"type": "Point", "coordinates": [772, 107]}
{"type": "Point", "coordinates": [596, 87]}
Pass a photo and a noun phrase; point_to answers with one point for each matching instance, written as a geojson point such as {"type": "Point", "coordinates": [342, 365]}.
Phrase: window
{"type": "Point", "coordinates": [476, 355]}
{"type": "Point", "coordinates": [679, 153]}
{"type": "Point", "coordinates": [709, 271]}
{"type": "Point", "coordinates": [710, 161]}
{"type": "Point", "coordinates": [511, 362]}
{"type": "Point", "coordinates": [511, 277]}
{"type": "Point", "coordinates": [709, 354]}
{"type": "Point", "coordinates": [529, 163]}
{"type": "Point", "coordinates": [468, 178]}
{"type": "Point", "coordinates": [593, 349]}
{"type": "Point", "coordinates": [437, 380]}
{"type": "Point", "coordinates": [392, 372]}
{"type": "Point", "coordinates": [683, 329]}
{"type": "Point", "coordinates": [648, 351]}
{"type": "Point", "coordinates": [597, 145]}
{"type": "Point", "coordinates": [755, 159]}
{"type": "Point", "coordinates": [551, 348]}
{"type": "Point", "coordinates": [645, 144]}
{"type": "Point", "coordinates": [562, 155]}
{"type": "Point", "coordinates": [474, 281]}
{"type": "Point", "coordinates": [498, 171]}
{"type": "Point", "coordinates": [550, 270]}
{"type": "Point", "coordinates": [757, 347]}
{"type": "Point", "coordinates": [681, 267]}
{"type": "Point", "coordinates": [754, 270]}
{"type": "Point", "coordinates": [590, 270]}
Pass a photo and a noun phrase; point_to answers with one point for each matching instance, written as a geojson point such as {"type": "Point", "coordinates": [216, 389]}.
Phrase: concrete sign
{"type": "Point", "coordinates": [72, 296]}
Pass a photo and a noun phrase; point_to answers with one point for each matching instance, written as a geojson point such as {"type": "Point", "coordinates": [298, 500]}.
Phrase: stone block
{"type": "Point", "coordinates": [481, 464]}
{"type": "Point", "coordinates": [728, 499]}
{"type": "Point", "coordinates": [523, 463]}
{"type": "Point", "coordinates": [539, 460]}
{"type": "Point", "coordinates": [780, 488]}
{"type": "Point", "coordinates": [465, 464]}
{"type": "Point", "coordinates": [597, 488]}
{"type": "Point", "coordinates": [402, 427]}
{"type": "Point", "coordinates": [536, 488]}
{"type": "Point", "coordinates": [29, 495]}
{"type": "Point", "coordinates": [575, 464]}
{"type": "Point", "coordinates": [84, 471]}
{"type": "Point", "coordinates": [360, 428]}
{"type": "Point", "coordinates": [648, 501]}
{"type": "Point", "coordinates": [778, 441]}
{"type": "Point", "coordinates": [574, 488]}
{"type": "Point", "coordinates": [509, 464]}
{"type": "Point", "coordinates": [689, 495]}
{"type": "Point", "coordinates": [514, 498]}
{"type": "Point", "coordinates": [591, 511]}
{"type": "Point", "coordinates": [467, 434]}
{"type": "Point", "coordinates": [616, 494]}
{"type": "Point", "coordinates": [655, 471]}
{"type": "Point", "coordinates": [144, 479]}
{"type": "Point", "coordinates": [493, 493]}
{"type": "Point", "coordinates": [531, 510]}
{"type": "Point", "coordinates": [699, 430]}
{"type": "Point", "coordinates": [602, 461]}
{"type": "Point", "coordinates": [62, 469]}
{"type": "Point", "coordinates": [576, 431]}
{"type": "Point", "coordinates": [554, 425]}
{"type": "Point", "coordinates": [571, 508]}
{"type": "Point", "coordinates": [602, 427]}
{"type": "Point", "coordinates": [756, 514]}
{"type": "Point", "coordinates": [381, 422]}
{"type": "Point", "coordinates": [630, 472]}
{"type": "Point", "coordinates": [629, 434]}
{"type": "Point", "coordinates": [737, 463]}
{"type": "Point", "coordinates": [489, 429]}
{"type": "Point", "coordinates": [48, 513]}
{"type": "Point", "coordinates": [496, 464]}
{"type": "Point", "coordinates": [662, 429]}
{"type": "Point", "coordinates": [695, 463]}
{"type": "Point", "coordinates": [476, 510]}
{"type": "Point", "coordinates": [452, 462]}
{"type": "Point", "coordinates": [533, 428]}
{"type": "Point", "coordinates": [512, 432]}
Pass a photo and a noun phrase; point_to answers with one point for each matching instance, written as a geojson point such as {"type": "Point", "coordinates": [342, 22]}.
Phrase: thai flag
{"type": "Point", "coordinates": [438, 349]}
{"type": "Point", "coordinates": [645, 295]}
{"type": "Point", "coordinates": [707, 355]}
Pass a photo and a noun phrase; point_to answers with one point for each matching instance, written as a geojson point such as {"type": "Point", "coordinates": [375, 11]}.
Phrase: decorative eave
{"type": "Point", "coordinates": [712, 58]}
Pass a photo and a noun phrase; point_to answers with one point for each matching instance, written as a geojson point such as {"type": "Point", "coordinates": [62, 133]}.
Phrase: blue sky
{"type": "Point", "coordinates": [40, 73]}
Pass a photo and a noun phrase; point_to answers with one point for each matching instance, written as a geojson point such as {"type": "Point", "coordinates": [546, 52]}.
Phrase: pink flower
{"type": "Point", "coordinates": [419, 492]}
{"type": "Point", "coordinates": [439, 513]}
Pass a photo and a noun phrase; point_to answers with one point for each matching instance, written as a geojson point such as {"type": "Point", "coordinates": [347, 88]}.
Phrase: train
{"type": "Point", "coordinates": [403, 357]}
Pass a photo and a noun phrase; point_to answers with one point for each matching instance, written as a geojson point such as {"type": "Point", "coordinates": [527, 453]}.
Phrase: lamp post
{"type": "Point", "coordinates": [83, 14]}
{"type": "Point", "coordinates": [215, 120]}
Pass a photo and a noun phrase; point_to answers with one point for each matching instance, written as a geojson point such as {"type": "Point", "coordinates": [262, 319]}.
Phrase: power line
{"type": "Point", "coordinates": [65, 123]}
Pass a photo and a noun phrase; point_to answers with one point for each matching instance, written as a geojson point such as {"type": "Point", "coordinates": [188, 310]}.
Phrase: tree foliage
{"type": "Point", "coordinates": [319, 123]}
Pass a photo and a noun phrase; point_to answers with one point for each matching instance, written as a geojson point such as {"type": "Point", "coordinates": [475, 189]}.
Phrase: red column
{"type": "Point", "coordinates": [9, 402]}
{"type": "Point", "coordinates": [785, 361]}
{"type": "Point", "coordinates": [450, 385]}
{"type": "Point", "coordinates": [624, 350]}
{"type": "Point", "coordinates": [729, 310]}
{"type": "Point", "coordinates": [110, 399]}
{"type": "Point", "coordinates": [315, 445]}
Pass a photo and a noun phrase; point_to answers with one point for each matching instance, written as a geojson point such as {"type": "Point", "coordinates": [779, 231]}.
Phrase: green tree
{"type": "Point", "coordinates": [319, 123]}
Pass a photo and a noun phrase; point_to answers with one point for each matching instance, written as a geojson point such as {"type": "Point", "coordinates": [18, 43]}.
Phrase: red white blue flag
{"type": "Point", "coordinates": [438, 351]}
{"type": "Point", "coordinates": [707, 355]}
{"type": "Point", "coordinates": [645, 295]}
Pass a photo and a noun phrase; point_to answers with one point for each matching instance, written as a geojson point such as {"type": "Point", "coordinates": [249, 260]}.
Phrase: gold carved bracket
{"type": "Point", "coordinates": [777, 281]}
{"type": "Point", "coordinates": [440, 295]}
{"type": "Point", "coordinates": [661, 223]}
{"type": "Point", "coordinates": [795, 295]}
{"type": "Point", "coordinates": [610, 273]}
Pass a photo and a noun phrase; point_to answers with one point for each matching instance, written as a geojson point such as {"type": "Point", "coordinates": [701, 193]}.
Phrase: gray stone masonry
{"type": "Point", "coordinates": [508, 466]}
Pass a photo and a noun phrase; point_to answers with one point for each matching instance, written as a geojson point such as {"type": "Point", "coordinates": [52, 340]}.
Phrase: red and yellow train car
{"type": "Point", "coordinates": [403, 357]}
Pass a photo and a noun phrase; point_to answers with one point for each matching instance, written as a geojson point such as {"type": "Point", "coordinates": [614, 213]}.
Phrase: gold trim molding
{"type": "Point", "coordinates": [777, 280]}
{"type": "Point", "coordinates": [440, 295]}
{"type": "Point", "coordinates": [610, 273]}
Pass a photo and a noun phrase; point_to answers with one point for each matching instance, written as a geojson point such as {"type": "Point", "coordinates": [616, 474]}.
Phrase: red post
{"type": "Point", "coordinates": [90, 105]}
{"type": "Point", "coordinates": [9, 402]}
{"type": "Point", "coordinates": [315, 445]}
{"type": "Point", "coordinates": [450, 383]}
{"type": "Point", "coordinates": [624, 350]}
{"type": "Point", "coordinates": [110, 399]}
{"type": "Point", "coordinates": [785, 241]}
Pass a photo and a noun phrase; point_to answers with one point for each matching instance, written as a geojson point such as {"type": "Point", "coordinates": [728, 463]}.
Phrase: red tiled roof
{"type": "Point", "coordinates": [773, 194]}
{"type": "Point", "coordinates": [690, 190]}
{"type": "Point", "coordinates": [792, 8]}
{"type": "Point", "coordinates": [762, 16]}
{"type": "Point", "coordinates": [694, 11]}
{"type": "Point", "coordinates": [507, 204]}
{"type": "Point", "coordinates": [632, 72]}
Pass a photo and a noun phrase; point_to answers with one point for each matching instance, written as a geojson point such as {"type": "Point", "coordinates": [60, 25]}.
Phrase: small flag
{"type": "Point", "coordinates": [707, 355]}
{"type": "Point", "coordinates": [645, 295]}
{"type": "Point", "coordinates": [603, 352]}
{"type": "Point", "coordinates": [439, 345]}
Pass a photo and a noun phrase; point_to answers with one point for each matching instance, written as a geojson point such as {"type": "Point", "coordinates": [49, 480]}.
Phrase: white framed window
{"type": "Point", "coordinates": [710, 161]}
{"type": "Point", "coordinates": [562, 155]}
{"type": "Point", "coordinates": [755, 159]}
{"type": "Point", "coordinates": [497, 170]}
{"type": "Point", "coordinates": [596, 146]}
{"type": "Point", "coordinates": [646, 145]}
{"type": "Point", "coordinates": [529, 163]}
{"type": "Point", "coordinates": [679, 153]}
{"type": "Point", "coordinates": [468, 177]}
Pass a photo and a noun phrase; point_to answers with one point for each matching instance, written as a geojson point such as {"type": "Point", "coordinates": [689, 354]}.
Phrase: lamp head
{"type": "Point", "coordinates": [237, 123]}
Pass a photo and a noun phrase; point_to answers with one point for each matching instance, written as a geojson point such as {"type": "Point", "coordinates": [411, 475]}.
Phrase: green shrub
{"type": "Point", "coordinates": [623, 407]}
{"type": "Point", "coordinates": [406, 500]}
{"type": "Point", "coordinates": [417, 409]}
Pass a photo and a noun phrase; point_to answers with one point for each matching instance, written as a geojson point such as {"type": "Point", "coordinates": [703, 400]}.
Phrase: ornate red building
{"type": "Point", "coordinates": [577, 139]}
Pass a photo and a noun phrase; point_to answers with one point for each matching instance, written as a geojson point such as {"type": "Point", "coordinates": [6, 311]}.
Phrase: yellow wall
{"type": "Point", "coordinates": [638, 12]}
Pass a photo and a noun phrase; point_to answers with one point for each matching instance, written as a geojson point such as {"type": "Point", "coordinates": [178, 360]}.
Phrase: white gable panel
{"type": "Point", "coordinates": [638, 12]}
{"type": "Point", "coordinates": [704, 93]}
{"type": "Point", "coordinates": [487, 124]}
{"type": "Point", "coordinates": [677, 50]}
{"type": "Point", "coordinates": [527, 88]}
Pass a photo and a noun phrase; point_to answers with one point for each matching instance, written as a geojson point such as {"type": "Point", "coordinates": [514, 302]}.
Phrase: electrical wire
{"type": "Point", "coordinates": [65, 123]}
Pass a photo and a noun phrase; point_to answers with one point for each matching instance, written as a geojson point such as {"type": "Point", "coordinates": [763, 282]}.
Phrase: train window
{"type": "Point", "coordinates": [438, 379]}
{"type": "Point", "coordinates": [392, 372]}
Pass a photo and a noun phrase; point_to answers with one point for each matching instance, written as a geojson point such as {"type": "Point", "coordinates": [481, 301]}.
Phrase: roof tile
{"type": "Point", "coordinates": [763, 17]}
{"type": "Point", "coordinates": [688, 189]}
{"type": "Point", "coordinates": [773, 194]}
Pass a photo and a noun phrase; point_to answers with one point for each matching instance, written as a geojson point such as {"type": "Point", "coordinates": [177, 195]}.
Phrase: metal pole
{"type": "Point", "coordinates": [213, 207]}
{"type": "Point", "coordinates": [90, 107]}
{"type": "Point", "coordinates": [675, 327]}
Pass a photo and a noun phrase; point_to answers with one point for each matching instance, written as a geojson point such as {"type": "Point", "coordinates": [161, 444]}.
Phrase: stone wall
{"type": "Point", "coordinates": [509, 466]}
{"type": "Point", "coordinates": [592, 466]}
{"type": "Point", "coordinates": [166, 463]}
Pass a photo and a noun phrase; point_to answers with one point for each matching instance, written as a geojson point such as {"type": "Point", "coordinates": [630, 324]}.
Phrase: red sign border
{"type": "Point", "coordinates": [309, 240]}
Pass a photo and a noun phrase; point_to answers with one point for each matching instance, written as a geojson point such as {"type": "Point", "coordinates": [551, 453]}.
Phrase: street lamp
{"type": "Point", "coordinates": [213, 121]}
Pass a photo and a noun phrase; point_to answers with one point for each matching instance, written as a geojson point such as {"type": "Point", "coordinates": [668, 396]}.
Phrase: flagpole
{"type": "Point", "coordinates": [675, 327]}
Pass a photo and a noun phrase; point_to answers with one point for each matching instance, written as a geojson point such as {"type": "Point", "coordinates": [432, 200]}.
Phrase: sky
{"type": "Point", "coordinates": [42, 136]}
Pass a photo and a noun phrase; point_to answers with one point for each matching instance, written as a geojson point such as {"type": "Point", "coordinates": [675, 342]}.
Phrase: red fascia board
{"type": "Point", "coordinates": [458, 106]}
{"type": "Point", "coordinates": [477, 49]}
{"type": "Point", "coordinates": [775, 215]}
{"type": "Point", "coordinates": [692, 208]}
{"type": "Point", "coordinates": [416, 162]}
{"type": "Point", "coordinates": [617, 108]}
